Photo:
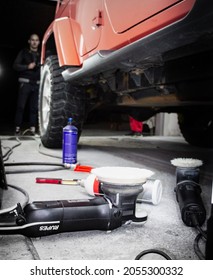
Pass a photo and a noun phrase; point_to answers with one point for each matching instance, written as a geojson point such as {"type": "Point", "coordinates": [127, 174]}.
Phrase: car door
{"type": "Point", "coordinates": [88, 14]}
{"type": "Point", "coordinates": [125, 14]}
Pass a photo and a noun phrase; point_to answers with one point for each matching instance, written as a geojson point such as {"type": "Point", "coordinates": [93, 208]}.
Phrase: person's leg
{"type": "Point", "coordinates": [33, 118]}
{"type": "Point", "coordinates": [23, 94]}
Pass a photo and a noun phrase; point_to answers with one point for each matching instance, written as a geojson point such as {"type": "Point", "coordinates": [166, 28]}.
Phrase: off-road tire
{"type": "Point", "coordinates": [197, 127]}
{"type": "Point", "coordinates": [58, 100]}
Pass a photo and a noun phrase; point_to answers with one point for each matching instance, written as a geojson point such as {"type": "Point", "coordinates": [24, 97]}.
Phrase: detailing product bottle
{"type": "Point", "coordinates": [70, 141]}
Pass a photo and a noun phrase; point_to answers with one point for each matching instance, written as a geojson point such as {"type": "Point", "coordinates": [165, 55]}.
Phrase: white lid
{"type": "Point", "coordinates": [152, 192]}
{"type": "Point", "coordinates": [90, 184]}
{"type": "Point", "coordinates": [157, 192]}
{"type": "Point", "coordinates": [122, 175]}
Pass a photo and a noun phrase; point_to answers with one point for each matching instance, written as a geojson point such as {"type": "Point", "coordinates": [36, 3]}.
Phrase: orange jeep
{"type": "Point", "coordinates": [141, 57]}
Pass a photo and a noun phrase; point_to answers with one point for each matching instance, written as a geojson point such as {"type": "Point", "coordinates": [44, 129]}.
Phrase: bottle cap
{"type": "Point", "coordinates": [152, 192]}
{"type": "Point", "coordinates": [92, 184]}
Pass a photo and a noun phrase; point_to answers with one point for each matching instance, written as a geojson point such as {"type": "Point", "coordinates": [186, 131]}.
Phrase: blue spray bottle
{"type": "Point", "coordinates": [70, 141]}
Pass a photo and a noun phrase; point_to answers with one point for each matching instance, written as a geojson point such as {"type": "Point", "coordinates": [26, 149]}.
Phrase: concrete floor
{"type": "Point", "coordinates": [163, 230]}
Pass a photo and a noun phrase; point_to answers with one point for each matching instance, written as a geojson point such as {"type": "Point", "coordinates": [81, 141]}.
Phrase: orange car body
{"type": "Point", "coordinates": [140, 56]}
{"type": "Point", "coordinates": [81, 28]}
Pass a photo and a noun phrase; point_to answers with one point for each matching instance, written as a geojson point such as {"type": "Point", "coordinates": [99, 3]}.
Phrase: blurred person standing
{"type": "Point", "coordinates": [27, 64]}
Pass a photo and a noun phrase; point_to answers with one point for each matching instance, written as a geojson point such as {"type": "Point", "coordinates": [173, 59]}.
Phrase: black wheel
{"type": "Point", "coordinates": [58, 100]}
{"type": "Point", "coordinates": [197, 128]}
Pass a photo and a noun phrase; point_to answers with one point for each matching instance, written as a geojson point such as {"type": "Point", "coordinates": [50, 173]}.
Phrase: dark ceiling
{"type": "Point", "coordinates": [20, 18]}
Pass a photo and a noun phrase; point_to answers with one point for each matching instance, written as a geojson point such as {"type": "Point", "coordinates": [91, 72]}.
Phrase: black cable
{"type": "Point", "coordinates": [202, 232]}
{"type": "Point", "coordinates": [25, 137]}
{"type": "Point", "coordinates": [196, 247]}
{"type": "Point", "coordinates": [201, 235]}
{"type": "Point", "coordinates": [32, 248]}
{"type": "Point", "coordinates": [26, 195]}
{"type": "Point", "coordinates": [34, 171]}
{"type": "Point", "coordinates": [29, 242]}
{"type": "Point", "coordinates": [46, 154]}
{"type": "Point", "coordinates": [60, 167]}
{"type": "Point", "coordinates": [33, 163]}
{"type": "Point", "coordinates": [152, 251]}
{"type": "Point", "coordinates": [9, 152]}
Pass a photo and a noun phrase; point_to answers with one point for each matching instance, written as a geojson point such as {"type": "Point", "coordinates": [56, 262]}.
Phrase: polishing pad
{"type": "Point", "coordinates": [186, 162]}
{"type": "Point", "coordinates": [122, 175]}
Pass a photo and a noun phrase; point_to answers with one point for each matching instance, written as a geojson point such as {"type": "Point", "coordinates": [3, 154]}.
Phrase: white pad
{"type": "Point", "coordinates": [186, 162]}
{"type": "Point", "coordinates": [122, 175]}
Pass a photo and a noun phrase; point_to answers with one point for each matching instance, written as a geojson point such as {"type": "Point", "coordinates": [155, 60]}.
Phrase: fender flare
{"type": "Point", "coordinates": [66, 42]}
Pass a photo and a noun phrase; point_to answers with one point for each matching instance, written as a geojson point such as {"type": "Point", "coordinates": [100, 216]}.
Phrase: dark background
{"type": "Point", "coordinates": [18, 19]}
